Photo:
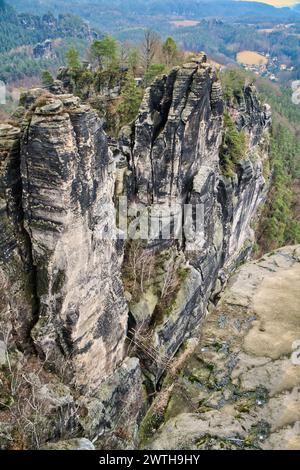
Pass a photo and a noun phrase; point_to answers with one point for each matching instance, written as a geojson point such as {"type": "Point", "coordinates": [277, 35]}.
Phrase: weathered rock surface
{"type": "Point", "coordinates": [240, 387]}
{"type": "Point", "coordinates": [54, 230]}
{"type": "Point", "coordinates": [5, 435]}
{"type": "Point", "coordinates": [61, 292]}
{"type": "Point", "coordinates": [44, 50]}
{"type": "Point", "coordinates": [178, 130]}
{"type": "Point", "coordinates": [67, 201]}
{"type": "Point", "coordinates": [17, 296]}
{"type": "Point", "coordinates": [61, 289]}
{"type": "Point", "coordinates": [111, 417]}
{"type": "Point", "coordinates": [173, 151]}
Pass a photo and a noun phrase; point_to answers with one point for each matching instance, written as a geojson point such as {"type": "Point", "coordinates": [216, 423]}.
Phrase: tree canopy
{"type": "Point", "coordinates": [170, 51]}
{"type": "Point", "coordinates": [104, 51]}
{"type": "Point", "coordinates": [73, 59]}
{"type": "Point", "coordinates": [131, 97]}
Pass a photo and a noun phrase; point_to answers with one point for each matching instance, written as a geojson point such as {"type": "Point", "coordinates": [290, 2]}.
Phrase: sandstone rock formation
{"type": "Point", "coordinates": [240, 387]}
{"type": "Point", "coordinates": [44, 50]}
{"type": "Point", "coordinates": [67, 191]}
{"type": "Point", "coordinates": [71, 444]}
{"type": "Point", "coordinates": [61, 261]}
{"type": "Point", "coordinates": [60, 272]}
{"type": "Point", "coordinates": [173, 152]}
{"type": "Point", "coordinates": [67, 199]}
{"type": "Point", "coordinates": [18, 304]}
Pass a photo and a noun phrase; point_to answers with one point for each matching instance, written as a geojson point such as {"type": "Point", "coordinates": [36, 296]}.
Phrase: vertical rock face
{"type": "Point", "coordinates": [17, 299]}
{"type": "Point", "coordinates": [177, 131]}
{"type": "Point", "coordinates": [67, 208]}
{"type": "Point", "coordinates": [174, 152]}
{"type": "Point", "coordinates": [61, 294]}
{"type": "Point", "coordinates": [67, 194]}
{"type": "Point", "coordinates": [61, 262]}
{"type": "Point", "coordinates": [44, 50]}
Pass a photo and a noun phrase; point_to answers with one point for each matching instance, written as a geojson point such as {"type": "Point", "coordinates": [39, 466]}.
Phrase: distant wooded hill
{"type": "Point", "coordinates": [21, 32]}
{"type": "Point", "coordinates": [220, 27]}
{"type": "Point", "coordinates": [90, 9]}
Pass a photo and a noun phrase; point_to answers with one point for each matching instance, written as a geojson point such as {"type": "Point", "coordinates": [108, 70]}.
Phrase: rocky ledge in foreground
{"type": "Point", "coordinates": [240, 387]}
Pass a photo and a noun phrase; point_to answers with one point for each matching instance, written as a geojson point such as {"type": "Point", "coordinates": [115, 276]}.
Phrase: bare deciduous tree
{"type": "Point", "coordinates": [123, 54]}
{"type": "Point", "coordinates": [149, 48]}
{"type": "Point", "coordinates": [138, 268]}
{"type": "Point", "coordinates": [171, 280]}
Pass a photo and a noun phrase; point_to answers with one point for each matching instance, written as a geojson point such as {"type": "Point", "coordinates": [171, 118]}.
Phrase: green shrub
{"type": "Point", "coordinates": [233, 148]}
{"type": "Point", "coordinates": [131, 97]}
{"type": "Point", "coordinates": [153, 71]}
{"type": "Point", "coordinates": [233, 82]}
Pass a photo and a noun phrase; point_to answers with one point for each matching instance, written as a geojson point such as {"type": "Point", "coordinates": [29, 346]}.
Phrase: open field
{"type": "Point", "coordinates": [184, 23]}
{"type": "Point", "coordinates": [266, 30]}
{"type": "Point", "coordinates": [251, 58]}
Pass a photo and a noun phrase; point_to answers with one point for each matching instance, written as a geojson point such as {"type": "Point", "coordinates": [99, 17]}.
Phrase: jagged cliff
{"type": "Point", "coordinates": [173, 151]}
{"type": "Point", "coordinates": [61, 261]}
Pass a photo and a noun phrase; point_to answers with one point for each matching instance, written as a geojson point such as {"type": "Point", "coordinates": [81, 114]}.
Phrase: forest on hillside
{"type": "Point", "coordinates": [196, 26]}
{"type": "Point", "coordinates": [20, 33]}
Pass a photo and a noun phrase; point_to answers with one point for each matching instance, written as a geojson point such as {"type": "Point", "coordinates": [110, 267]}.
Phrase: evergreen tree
{"type": "Point", "coordinates": [47, 79]}
{"type": "Point", "coordinates": [170, 51]}
{"type": "Point", "coordinates": [153, 71]}
{"type": "Point", "coordinates": [131, 99]}
{"type": "Point", "coordinates": [278, 227]}
{"type": "Point", "coordinates": [233, 148]}
{"type": "Point", "coordinates": [73, 59]}
{"type": "Point", "coordinates": [104, 51]}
